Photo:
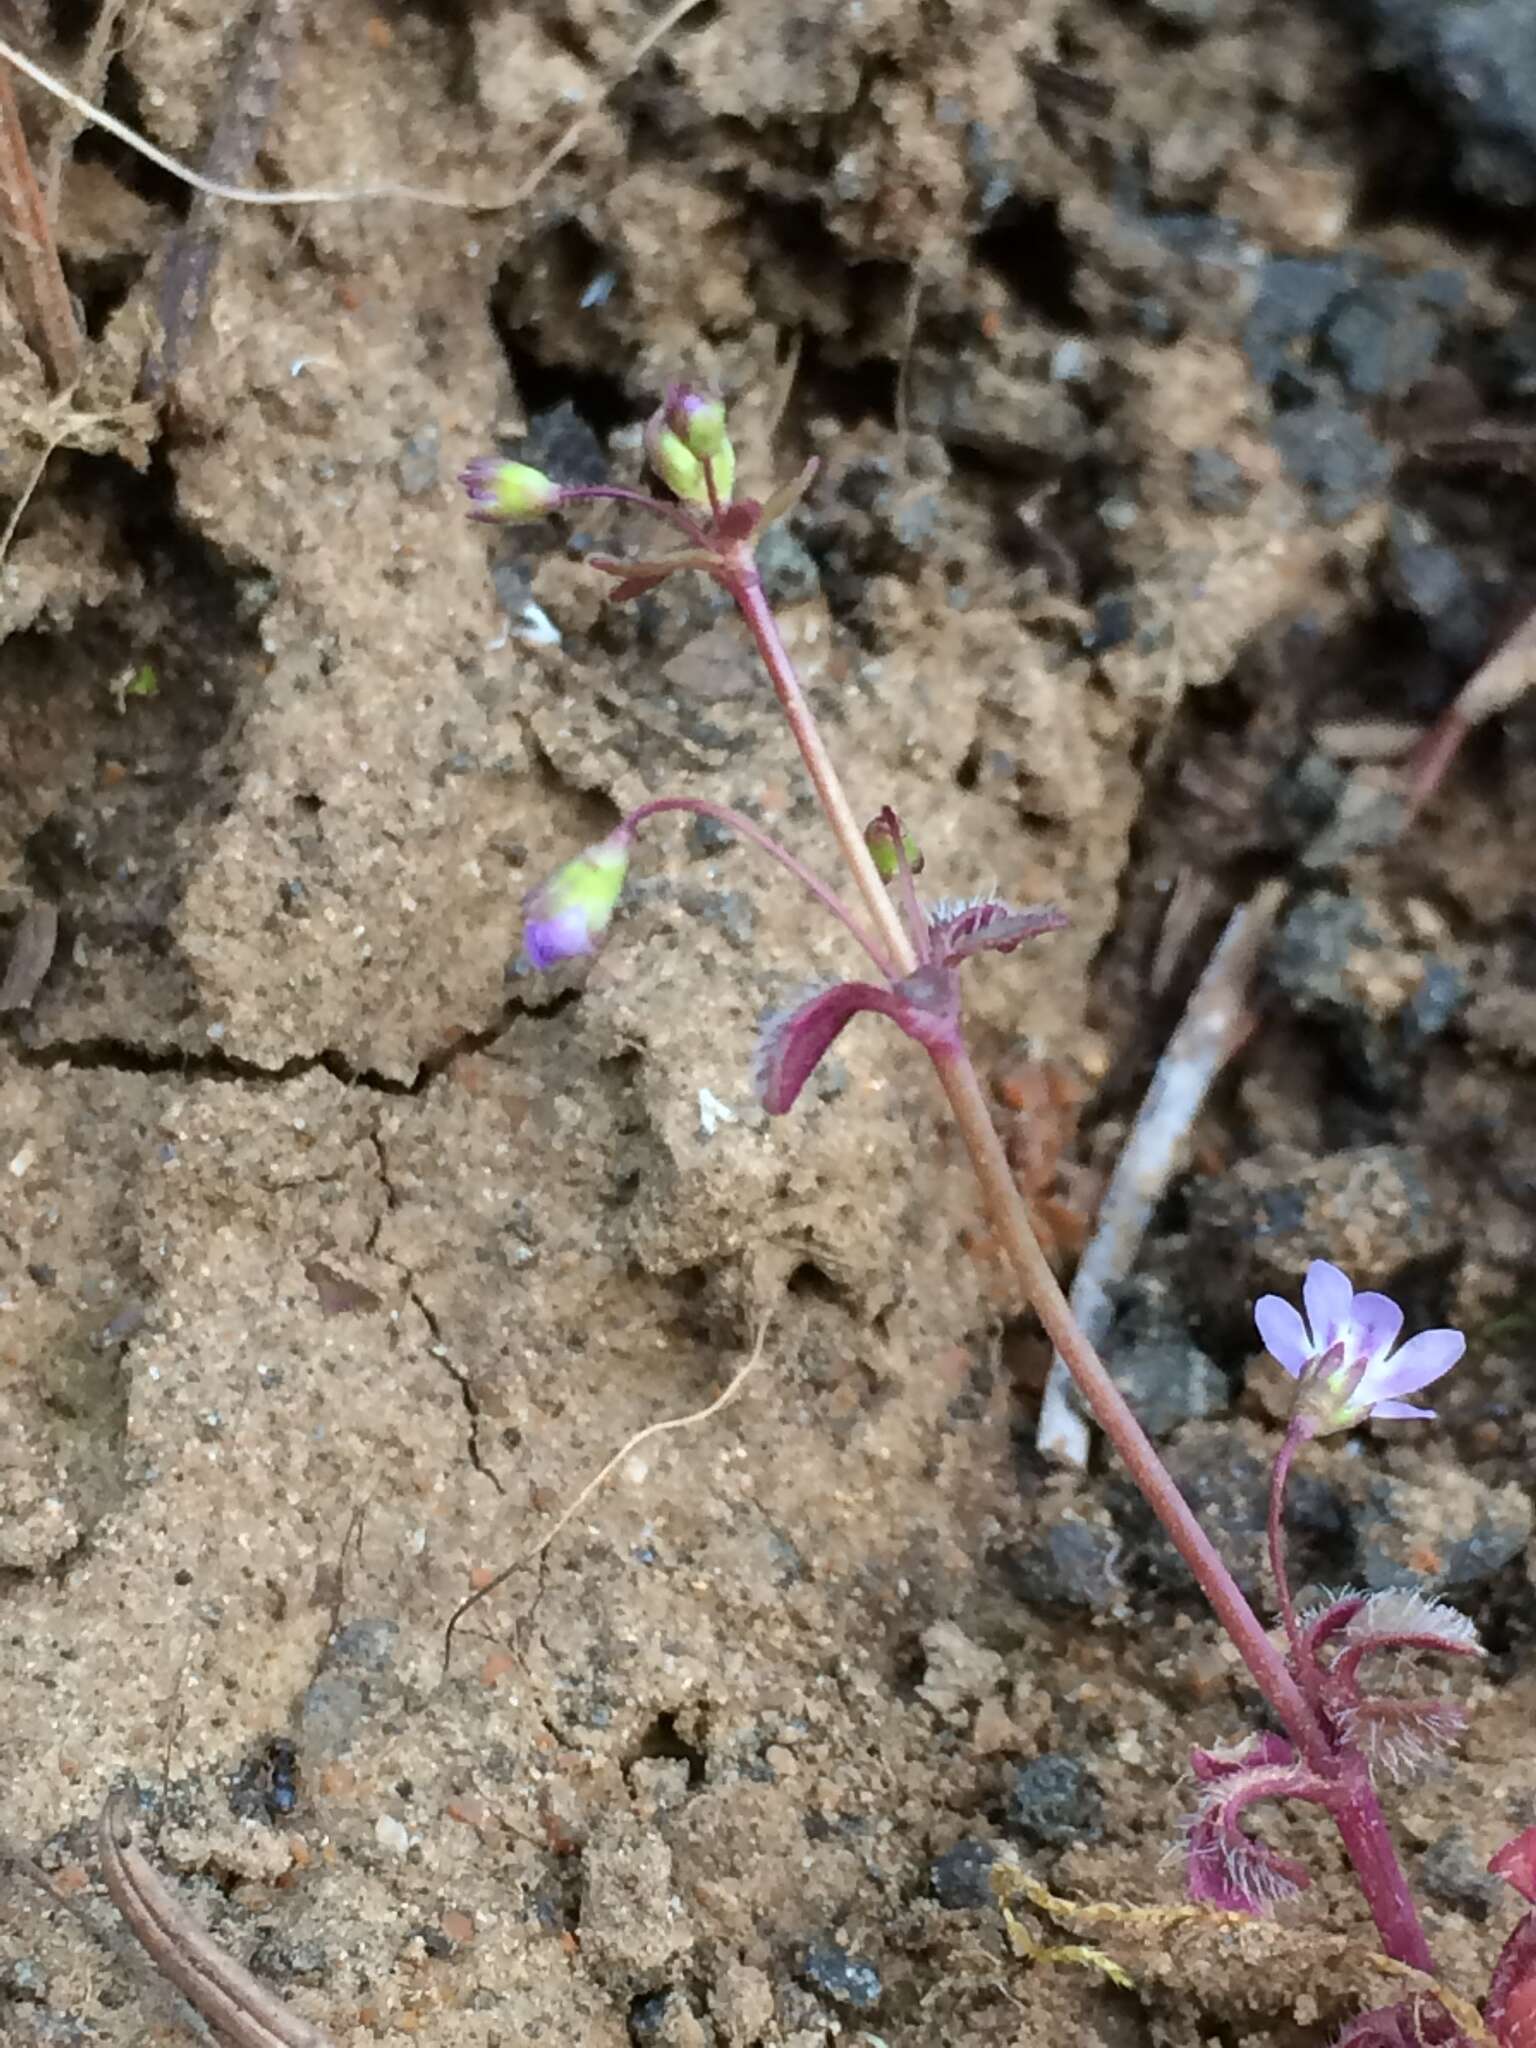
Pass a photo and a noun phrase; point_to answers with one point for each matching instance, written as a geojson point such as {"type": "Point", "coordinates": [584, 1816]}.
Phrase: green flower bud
{"type": "Point", "coordinates": [697, 421]}
{"type": "Point", "coordinates": [880, 836]}
{"type": "Point", "coordinates": [681, 470]}
{"type": "Point", "coordinates": [502, 491]}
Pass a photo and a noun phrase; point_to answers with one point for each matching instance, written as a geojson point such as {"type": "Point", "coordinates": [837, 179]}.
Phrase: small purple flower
{"type": "Point", "coordinates": [1342, 1357]}
{"type": "Point", "coordinates": [567, 916]}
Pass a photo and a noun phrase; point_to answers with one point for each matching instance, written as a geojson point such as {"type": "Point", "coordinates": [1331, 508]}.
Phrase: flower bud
{"type": "Point", "coordinates": [880, 836]}
{"type": "Point", "coordinates": [502, 490]}
{"type": "Point", "coordinates": [697, 421]}
{"type": "Point", "coordinates": [681, 469]}
{"type": "Point", "coordinates": [567, 916]}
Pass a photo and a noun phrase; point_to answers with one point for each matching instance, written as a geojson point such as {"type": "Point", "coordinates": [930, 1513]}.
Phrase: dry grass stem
{"type": "Point", "coordinates": [1214, 1024]}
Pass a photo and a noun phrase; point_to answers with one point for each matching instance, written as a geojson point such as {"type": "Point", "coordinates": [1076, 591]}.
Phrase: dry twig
{"type": "Point", "coordinates": [237, 2006]}
{"type": "Point", "coordinates": [1503, 678]}
{"type": "Point", "coordinates": [192, 254]}
{"type": "Point", "coordinates": [1210, 1031]}
{"type": "Point", "coordinates": [30, 256]}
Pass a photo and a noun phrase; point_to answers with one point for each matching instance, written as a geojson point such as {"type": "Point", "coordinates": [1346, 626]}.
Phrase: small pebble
{"type": "Point", "coordinates": [846, 1980]}
{"type": "Point", "coordinates": [962, 1877]}
{"type": "Point", "coordinates": [1054, 1800]}
{"type": "Point", "coordinates": [392, 1835]}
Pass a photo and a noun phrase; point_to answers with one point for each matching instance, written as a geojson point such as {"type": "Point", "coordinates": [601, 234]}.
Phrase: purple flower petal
{"type": "Point", "coordinates": [564, 936]}
{"type": "Point", "coordinates": [1328, 1295]}
{"type": "Point", "coordinates": [1400, 1411]}
{"type": "Point", "coordinates": [1422, 1359]}
{"type": "Point", "coordinates": [1377, 1320]}
{"type": "Point", "coordinates": [1283, 1331]}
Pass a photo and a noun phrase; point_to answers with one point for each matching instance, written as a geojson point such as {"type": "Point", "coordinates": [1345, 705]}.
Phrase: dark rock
{"type": "Point", "coordinates": [789, 571]}
{"type": "Point", "coordinates": [1114, 621]}
{"type": "Point", "coordinates": [1513, 357]}
{"type": "Point", "coordinates": [1320, 953]}
{"type": "Point", "coordinates": [560, 442]}
{"type": "Point", "coordinates": [1195, 15]}
{"type": "Point", "coordinates": [1333, 455]}
{"type": "Point", "coordinates": [962, 1877]}
{"type": "Point", "coordinates": [1383, 338]}
{"type": "Point", "coordinates": [1069, 1564]}
{"type": "Point", "coordinates": [1385, 1001]}
{"type": "Point", "coordinates": [1454, 1875]}
{"type": "Point", "coordinates": [1294, 298]}
{"type": "Point", "coordinates": [1227, 1486]}
{"type": "Point", "coordinates": [296, 1961]}
{"type": "Point", "coordinates": [1254, 1230]}
{"type": "Point", "coordinates": [366, 1645]}
{"type": "Point", "coordinates": [1434, 1003]}
{"type": "Point", "coordinates": [709, 836]}
{"type": "Point", "coordinates": [1218, 483]}
{"type": "Point", "coordinates": [1055, 1800]}
{"type": "Point", "coordinates": [664, 2019]}
{"type": "Point", "coordinates": [1167, 1379]}
{"type": "Point", "coordinates": [847, 1980]}
{"type": "Point", "coordinates": [1475, 63]}
{"type": "Point", "coordinates": [334, 1710]}
{"type": "Point", "coordinates": [1428, 579]}
{"type": "Point", "coordinates": [1450, 1536]}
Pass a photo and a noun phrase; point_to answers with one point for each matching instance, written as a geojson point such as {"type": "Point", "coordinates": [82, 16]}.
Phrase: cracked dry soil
{"type": "Point", "coordinates": [335, 1261]}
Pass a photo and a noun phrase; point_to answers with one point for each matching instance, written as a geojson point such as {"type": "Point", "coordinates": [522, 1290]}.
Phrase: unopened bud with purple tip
{"type": "Point", "coordinates": [503, 491]}
{"type": "Point", "coordinates": [687, 446]}
{"type": "Point", "coordinates": [697, 421]}
{"type": "Point", "coordinates": [568, 915]}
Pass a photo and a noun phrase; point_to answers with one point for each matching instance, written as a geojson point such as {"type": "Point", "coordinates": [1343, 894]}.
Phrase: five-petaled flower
{"type": "Point", "coordinates": [1342, 1356]}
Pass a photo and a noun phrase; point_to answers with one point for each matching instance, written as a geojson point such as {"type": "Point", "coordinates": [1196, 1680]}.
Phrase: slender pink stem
{"type": "Point", "coordinates": [739, 822]}
{"type": "Point", "coordinates": [617, 494]}
{"type": "Point", "coordinates": [957, 1076]}
{"type": "Point", "coordinates": [741, 579]}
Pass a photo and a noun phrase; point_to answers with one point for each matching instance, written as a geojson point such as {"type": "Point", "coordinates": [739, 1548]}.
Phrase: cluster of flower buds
{"type": "Point", "coordinates": [688, 447]}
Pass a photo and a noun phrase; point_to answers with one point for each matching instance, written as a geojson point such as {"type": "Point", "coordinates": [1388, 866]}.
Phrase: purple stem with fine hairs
{"type": "Point", "coordinates": [1355, 1809]}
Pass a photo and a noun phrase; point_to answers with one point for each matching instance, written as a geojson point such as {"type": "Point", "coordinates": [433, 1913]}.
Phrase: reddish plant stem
{"type": "Point", "coordinates": [738, 821]}
{"type": "Point", "coordinates": [29, 256]}
{"type": "Point", "coordinates": [1373, 1857]}
{"type": "Point", "coordinates": [745, 586]}
{"type": "Point", "coordinates": [957, 1077]}
{"type": "Point", "coordinates": [1356, 1810]}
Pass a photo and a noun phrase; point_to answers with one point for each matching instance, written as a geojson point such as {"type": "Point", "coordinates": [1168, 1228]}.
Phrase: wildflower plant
{"type": "Point", "coordinates": [1334, 1680]}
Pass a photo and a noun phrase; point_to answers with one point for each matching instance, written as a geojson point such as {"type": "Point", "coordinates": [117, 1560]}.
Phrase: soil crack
{"type": "Point", "coordinates": [123, 1056]}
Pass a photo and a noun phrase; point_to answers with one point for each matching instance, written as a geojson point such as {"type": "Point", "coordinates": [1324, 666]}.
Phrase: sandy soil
{"type": "Point", "coordinates": [1168, 427]}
